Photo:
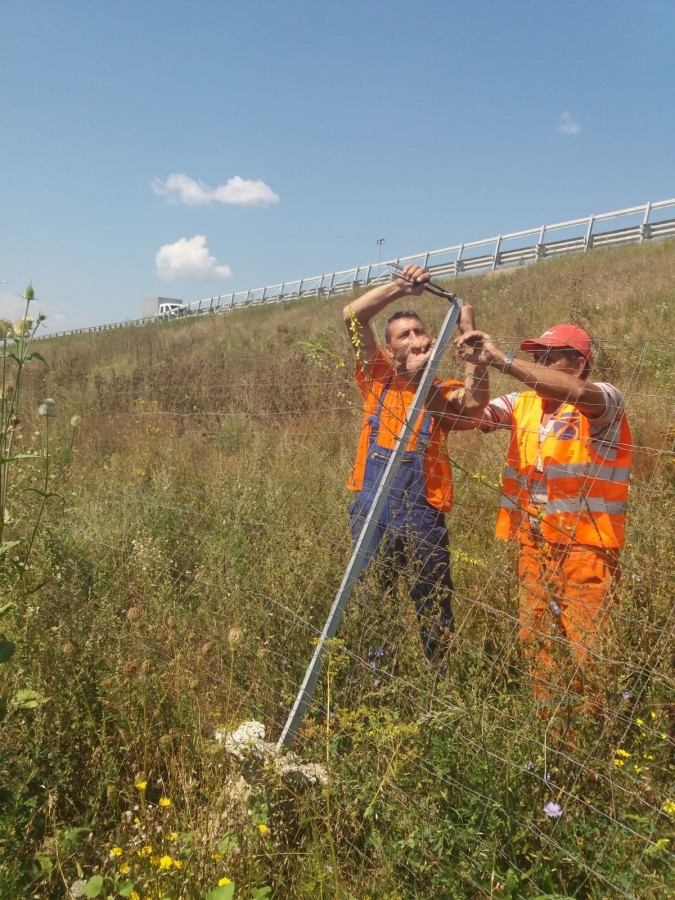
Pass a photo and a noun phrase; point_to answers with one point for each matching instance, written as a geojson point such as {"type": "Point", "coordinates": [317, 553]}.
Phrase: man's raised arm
{"type": "Point", "coordinates": [357, 315]}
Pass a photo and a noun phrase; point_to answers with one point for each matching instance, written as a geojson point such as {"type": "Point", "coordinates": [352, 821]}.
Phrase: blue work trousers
{"type": "Point", "coordinates": [411, 536]}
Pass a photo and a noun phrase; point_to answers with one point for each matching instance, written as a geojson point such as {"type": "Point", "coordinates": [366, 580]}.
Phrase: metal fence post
{"type": "Point", "coordinates": [366, 545]}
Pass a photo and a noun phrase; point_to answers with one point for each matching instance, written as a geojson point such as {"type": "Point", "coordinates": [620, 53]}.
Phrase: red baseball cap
{"type": "Point", "coordinates": [561, 336]}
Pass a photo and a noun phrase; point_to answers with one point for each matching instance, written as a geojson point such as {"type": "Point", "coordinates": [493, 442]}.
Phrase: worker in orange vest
{"type": "Point", "coordinates": [412, 534]}
{"type": "Point", "coordinates": [564, 496]}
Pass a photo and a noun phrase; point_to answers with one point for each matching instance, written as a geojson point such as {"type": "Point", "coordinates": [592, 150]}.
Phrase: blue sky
{"type": "Point", "coordinates": [184, 150]}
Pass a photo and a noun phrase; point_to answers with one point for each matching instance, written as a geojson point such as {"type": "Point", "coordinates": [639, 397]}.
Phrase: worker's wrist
{"type": "Point", "coordinates": [503, 361]}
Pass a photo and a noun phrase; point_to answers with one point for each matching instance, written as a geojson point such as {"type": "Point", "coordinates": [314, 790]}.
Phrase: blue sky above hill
{"type": "Point", "coordinates": [186, 150]}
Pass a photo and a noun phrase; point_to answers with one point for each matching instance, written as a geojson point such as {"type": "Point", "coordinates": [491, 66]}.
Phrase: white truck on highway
{"type": "Point", "coordinates": [163, 308]}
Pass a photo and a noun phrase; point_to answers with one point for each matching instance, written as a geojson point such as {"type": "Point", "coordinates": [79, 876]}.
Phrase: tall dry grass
{"type": "Point", "coordinates": [188, 566]}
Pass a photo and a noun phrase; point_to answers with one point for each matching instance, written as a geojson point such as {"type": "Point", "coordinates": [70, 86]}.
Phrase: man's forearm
{"type": "Point", "coordinates": [464, 403]}
{"type": "Point", "coordinates": [476, 388]}
{"type": "Point", "coordinates": [366, 307]}
{"type": "Point", "coordinates": [551, 383]}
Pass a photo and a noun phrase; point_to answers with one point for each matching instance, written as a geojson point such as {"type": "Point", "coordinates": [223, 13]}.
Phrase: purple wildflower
{"type": "Point", "coordinates": [553, 810]}
{"type": "Point", "coordinates": [626, 695]}
{"type": "Point", "coordinates": [529, 766]}
{"type": "Point", "coordinates": [555, 609]}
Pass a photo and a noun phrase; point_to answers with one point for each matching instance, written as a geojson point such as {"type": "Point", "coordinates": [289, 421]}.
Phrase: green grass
{"type": "Point", "coordinates": [179, 584]}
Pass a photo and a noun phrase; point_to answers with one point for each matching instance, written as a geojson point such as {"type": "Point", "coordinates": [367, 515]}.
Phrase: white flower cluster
{"type": "Point", "coordinates": [247, 744]}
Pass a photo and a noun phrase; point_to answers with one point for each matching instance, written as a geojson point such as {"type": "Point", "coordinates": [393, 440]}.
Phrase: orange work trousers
{"type": "Point", "coordinates": [566, 594]}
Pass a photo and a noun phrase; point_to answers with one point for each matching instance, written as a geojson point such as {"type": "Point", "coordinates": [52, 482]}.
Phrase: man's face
{"type": "Point", "coordinates": [562, 359]}
{"type": "Point", "coordinates": [407, 336]}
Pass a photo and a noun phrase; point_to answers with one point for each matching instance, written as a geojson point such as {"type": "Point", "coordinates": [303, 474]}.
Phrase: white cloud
{"type": "Point", "coordinates": [189, 258]}
{"type": "Point", "coordinates": [180, 188]}
{"type": "Point", "coordinates": [567, 124]}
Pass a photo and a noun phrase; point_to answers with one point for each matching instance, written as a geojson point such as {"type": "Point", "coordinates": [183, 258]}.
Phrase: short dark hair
{"type": "Point", "coordinates": [401, 314]}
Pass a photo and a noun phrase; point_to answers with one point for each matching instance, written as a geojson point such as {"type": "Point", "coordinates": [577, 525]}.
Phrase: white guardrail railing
{"type": "Point", "coordinates": [636, 225]}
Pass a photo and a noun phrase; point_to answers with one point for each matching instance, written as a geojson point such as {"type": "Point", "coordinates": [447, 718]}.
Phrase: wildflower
{"type": "Point", "coordinates": [217, 856]}
{"type": "Point", "coordinates": [116, 851]}
{"type": "Point", "coordinates": [223, 881]}
{"type": "Point", "coordinates": [262, 828]}
{"type": "Point", "coordinates": [141, 785]}
{"type": "Point", "coordinates": [624, 753]}
{"type": "Point", "coordinates": [144, 851]}
{"type": "Point", "coordinates": [376, 653]}
{"type": "Point", "coordinates": [652, 714]}
{"type": "Point", "coordinates": [23, 326]}
{"type": "Point", "coordinates": [124, 868]}
{"type": "Point", "coordinates": [626, 695]}
{"type": "Point", "coordinates": [134, 896]}
{"type": "Point", "coordinates": [529, 766]}
{"type": "Point", "coordinates": [75, 421]}
{"type": "Point", "coordinates": [173, 836]}
{"type": "Point", "coordinates": [640, 721]}
{"type": "Point", "coordinates": [663, 736]}
{"type": "Point", "coordinates": [165, 862]}
{"type": "Point", "coordinates": [555, 609]}
{"type": "Point", "coordinates": [164, 801]}
{"type": "Point", "coordinates": [48, 408]}
{"type": "Point", "coordinates": [77, 887]}
{"type": "Point", "coordinates": [553, 810]}
{"type": "Point", "coordinates": [637, 769]}
{"type": "Point", "coordinates": [177, 864]}
{"type": "Point", "coordinates": [234, 637]}
{"type": "Point", "coordinates": [619, 763]}
{"type": "Point", "coordinates": [669, 808]}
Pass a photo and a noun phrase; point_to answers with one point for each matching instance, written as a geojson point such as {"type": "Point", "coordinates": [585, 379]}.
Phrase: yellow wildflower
{"type": "Point", "coordinates": [124, 868]}
{"type": "Point", "coordinates": [637, 769]}
{"type": "Point", "coordinates": [144, 851]}
{"type": "Point", "coordinates": [217, 856]}
{"type": "Point", "coordinates": [116, 851]}
{"type": "Point", "coordinates": [669, 807]}
{"type": "Point", "coordinates": [664, 736]}
{"type": "Point", "coordinates": [165, 862]}
{"type": "Point", "coordinates": [141, 785]}
{"type": "Point", "coordinates": [619, 762]}
{"type": "Point", "coordinates": [177, 864]}
{"type": "Point", "coordinates": [134, 896]}
{"type": "Point", "coordinates": [223, 881]}
{"type": "Point", "coordinates": [623, 753]}
{"type": "Point", "coordinates": [164, 801]}
{"type": "Point", "coordinates": [652, 714]}
{"type": "Point", "coordinates": [263, 829]}
{"type": "Point", "coordinates": [173, 836]}
{"type": "Point", "coordinates": [640, 721]}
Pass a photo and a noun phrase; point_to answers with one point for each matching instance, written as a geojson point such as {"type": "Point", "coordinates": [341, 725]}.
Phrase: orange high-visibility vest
{"type": "Point", "coordinates": [587, 484]}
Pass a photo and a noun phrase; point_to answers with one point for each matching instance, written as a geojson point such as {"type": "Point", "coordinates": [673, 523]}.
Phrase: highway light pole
{"type": "Point", "coordinates": [379, 242]}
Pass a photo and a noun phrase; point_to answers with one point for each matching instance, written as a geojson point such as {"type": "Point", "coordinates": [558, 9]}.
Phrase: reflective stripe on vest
{"type": "Point", "coordinates": [586, 490]}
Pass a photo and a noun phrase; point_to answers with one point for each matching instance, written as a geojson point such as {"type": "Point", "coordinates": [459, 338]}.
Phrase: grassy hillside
{"type": "Point", "coordinates": [195, 534]}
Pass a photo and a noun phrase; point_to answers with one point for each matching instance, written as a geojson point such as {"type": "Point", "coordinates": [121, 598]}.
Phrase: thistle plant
{"type": "Point", "coordinates": [15, 354]}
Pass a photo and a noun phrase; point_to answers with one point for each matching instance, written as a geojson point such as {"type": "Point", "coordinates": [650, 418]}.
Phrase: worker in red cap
{"type": "Point", "coordinates": [564, 495]}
